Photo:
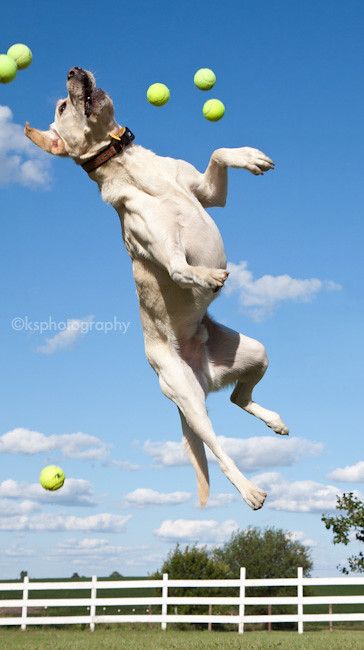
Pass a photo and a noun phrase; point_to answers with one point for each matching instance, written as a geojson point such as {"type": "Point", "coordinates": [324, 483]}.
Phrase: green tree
{"type": "Point", "coordinates": [193, 563]}
{"type": "Point", "coordinates": [268, 553]}
{"type": "Point", "coordinates": [347, 525]}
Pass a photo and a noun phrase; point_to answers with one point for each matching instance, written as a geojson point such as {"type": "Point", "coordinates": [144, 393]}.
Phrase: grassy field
{"type": "Point", "coordinates": [120, 639]}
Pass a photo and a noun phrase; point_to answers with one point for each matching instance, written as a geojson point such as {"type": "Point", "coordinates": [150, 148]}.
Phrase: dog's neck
{"type": "Point", "coordinates": [131, 170]}
{"type": "Point", "coordinates": [115, 166]}
{"type": "Point", "coordinates": [117, 170]}
{"type": "Point", "coordinates": [120, 140]}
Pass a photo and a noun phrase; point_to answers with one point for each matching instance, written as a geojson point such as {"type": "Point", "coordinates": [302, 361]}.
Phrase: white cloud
{"type": "Point", "coordinates": [104, 521]}
{"type": "Point", "coordinates": [75, 328]}
{"type": "Point", "coordinates": [123, 465]}
{"type": "Point", "coordinates": [249, 453]}
{"type": "Point", "coordinates": [166, 453]}
{"type": "Point", "coordinates": [296, 496]}
{"type": "Point", "coordinates": [20, 161]}
{"type": "Point", "coordinates": [268, 451]}
{"type": "Point", "coordinates": [71, 445]}
{"type": "Point", "coordinates": [146, 497]}
{"type": "Point", "coordinates": [102, 554]}
{"type": "Point", "coordinates": [300, 536]}
{"type": "Point", "coordinates": [262, 295]}
{"type": "Point", "coordinates": [9, 507]}
{"type": "Point", "coordinates": [91, 547]}
{"type": "Point", "coordinates": [75, 492]}
{"type": "Point", "coordinates": [196, 530]}
{"type": "Point", "coordinates": [351, 473]}
{"type": "Point", "coordinates": [220, 500]}
{"type": "Point", "coordinates": [16, 551]}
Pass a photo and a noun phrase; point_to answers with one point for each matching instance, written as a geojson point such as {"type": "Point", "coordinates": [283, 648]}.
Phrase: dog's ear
{"type": "Point", "coordinates": [47, 140]}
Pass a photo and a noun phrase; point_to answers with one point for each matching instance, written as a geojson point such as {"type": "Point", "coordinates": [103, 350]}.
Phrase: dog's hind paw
{"type": "Point", "coordinates": [278, 426]}
{"type": "Point", "coordinates": [255, 497]}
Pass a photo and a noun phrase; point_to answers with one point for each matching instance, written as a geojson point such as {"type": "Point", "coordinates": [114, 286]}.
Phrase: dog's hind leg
{"type": "Point", "coordinates": [240, 360]}
{"type": "Point", "coordinates": [242, 396]}
{"type": "Point", "coordinates": [197, 454]}
{"type": "Point", "coordinates": [180, 384]}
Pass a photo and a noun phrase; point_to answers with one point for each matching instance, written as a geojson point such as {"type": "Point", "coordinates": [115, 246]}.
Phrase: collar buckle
{"type": "Point", "coordinates": [119, 134]}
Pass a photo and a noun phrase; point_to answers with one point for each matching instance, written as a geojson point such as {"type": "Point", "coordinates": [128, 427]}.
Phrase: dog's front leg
{"type": "Point", "coordinates": [211, 189]}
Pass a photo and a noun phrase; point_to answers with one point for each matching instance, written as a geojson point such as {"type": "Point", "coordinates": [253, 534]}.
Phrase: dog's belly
{"type": "Point", "coordinates": [201, 238]}
{"type": "Point", "coordinates": [168, 312]}
{"type": "Point", "coordinates": [203, 244]}
{"type": "Point", "coordinates": [145, 216]}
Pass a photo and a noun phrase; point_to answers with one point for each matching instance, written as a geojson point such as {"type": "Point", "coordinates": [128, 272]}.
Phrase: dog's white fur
{"type": "Point", "coordinates": [179, 265]}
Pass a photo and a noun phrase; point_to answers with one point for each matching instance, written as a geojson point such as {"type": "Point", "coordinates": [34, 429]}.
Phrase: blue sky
{"type": "Point", "coordinates": [290, 76]}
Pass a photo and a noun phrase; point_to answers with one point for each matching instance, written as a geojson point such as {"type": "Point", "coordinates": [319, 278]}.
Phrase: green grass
{"type": "Point", "coordinates": [152, 639]}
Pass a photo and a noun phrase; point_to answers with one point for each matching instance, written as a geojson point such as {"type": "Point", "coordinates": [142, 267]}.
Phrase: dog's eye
{"type": "Point", "coordinates": [62, 107]}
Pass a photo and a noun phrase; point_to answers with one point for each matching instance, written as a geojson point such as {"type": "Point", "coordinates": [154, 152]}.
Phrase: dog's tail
{"type": "Point", "coordinates": [197, 453]}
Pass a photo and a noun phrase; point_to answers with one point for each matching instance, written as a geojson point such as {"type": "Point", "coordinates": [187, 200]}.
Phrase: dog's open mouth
{"type": "Point", "coordinates": [88, 90]}
{"type": "Point", "coordinates": [81, 86]}
{"type": "Point", "coordinates": [94, 101]}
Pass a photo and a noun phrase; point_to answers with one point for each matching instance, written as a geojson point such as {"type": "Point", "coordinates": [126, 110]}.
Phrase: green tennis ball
{"type": "Point", "coordinates": [52, 477]}
{"type": "Point", "coordinates": [158, 94]}
{"type": "Point", "coordinates": [204, 79]}
{"type": "Point", "coordinates": [21, 54]}
{"type": "Point", "coordinates": [213, 110]}
{"type": "Point", "coordinates": [7, 69]}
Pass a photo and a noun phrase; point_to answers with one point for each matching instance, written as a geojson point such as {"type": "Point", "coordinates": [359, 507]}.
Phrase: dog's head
{"type": "Point", "coordinates": [82, 122]}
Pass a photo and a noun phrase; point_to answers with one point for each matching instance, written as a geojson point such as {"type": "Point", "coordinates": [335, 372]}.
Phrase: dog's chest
{"type": "Point", "coordinates": [132, 242]}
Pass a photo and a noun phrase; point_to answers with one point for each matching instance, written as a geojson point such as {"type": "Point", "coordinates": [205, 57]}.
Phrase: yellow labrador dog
{"type": "Point", "coordinates": [178, 260]}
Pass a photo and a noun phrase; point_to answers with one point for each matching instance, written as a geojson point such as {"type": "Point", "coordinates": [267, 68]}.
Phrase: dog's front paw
{"type": "Point", "coordinates": [210, 278]}
{"type": "Point", "coordinates": [254, 161]}
{"type": "Point", "coordinates": [200, 276]}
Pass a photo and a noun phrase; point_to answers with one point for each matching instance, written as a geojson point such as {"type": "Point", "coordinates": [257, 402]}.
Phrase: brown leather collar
{"type": "Point", "coordinates": [120, 140]}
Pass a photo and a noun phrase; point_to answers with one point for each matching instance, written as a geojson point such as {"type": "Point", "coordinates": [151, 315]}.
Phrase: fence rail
{"type": "Point", "coordinates": [26, 605]}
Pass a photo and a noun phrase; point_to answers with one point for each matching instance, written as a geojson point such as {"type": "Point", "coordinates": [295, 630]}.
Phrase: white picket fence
{"type": "Point", "coordinates": [92, 618]}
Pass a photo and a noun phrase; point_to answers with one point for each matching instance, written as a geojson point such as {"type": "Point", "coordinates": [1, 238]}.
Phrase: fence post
{"type": "Point", "coordinates": [93, 602]}
{"type": "Point", "coordinates": [209, 624]}
{"type": "Point", "coordinates": [164, 601]}
{"type": "Point", "coordinates": [24, 605]}
{"type": "Point", "coordinates": [242, 599]}
{"type": "Point", "coordinates": [330, 612]}
{"type": "Point", "coordinates": [300, 599]}
{"type": "Point", "coordinates": [269, 624]}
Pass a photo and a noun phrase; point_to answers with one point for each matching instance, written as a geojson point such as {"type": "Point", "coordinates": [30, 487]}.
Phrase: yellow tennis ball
{"type": "Point", "coordinates": [204, 79]}
{"type": "Point", "coordinates": [21, 54]}
{"type": "Point", "coordinates": [158, 94]}
{"type": "Point", "coordinates": [213, 110]}
{"type": "Point", "coordinates": [52, 477]}
{"type": "Point", "coordinates": [7, 69]}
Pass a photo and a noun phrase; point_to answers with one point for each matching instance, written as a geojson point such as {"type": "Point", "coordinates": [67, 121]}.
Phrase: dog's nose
{"type": "Point", "coordinates": [72, 72]}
